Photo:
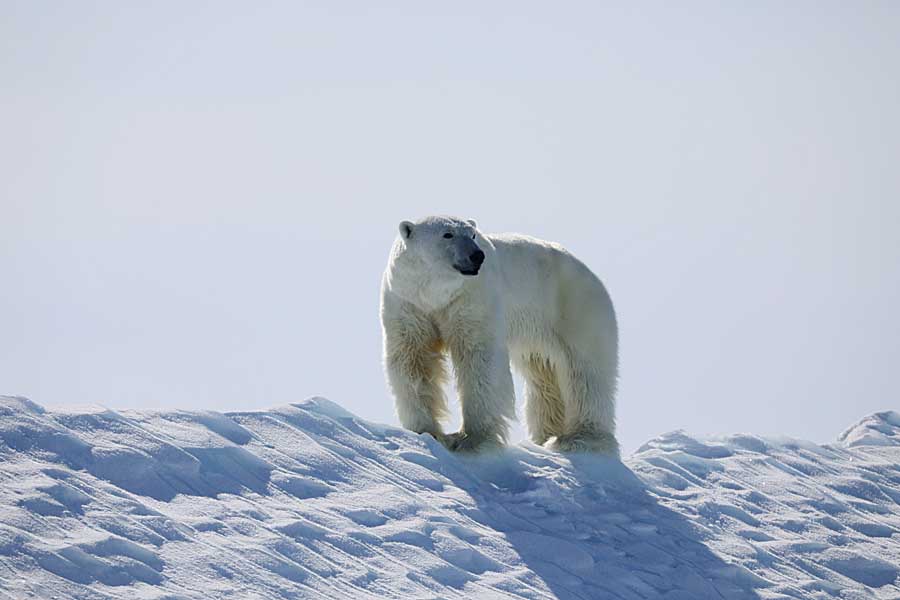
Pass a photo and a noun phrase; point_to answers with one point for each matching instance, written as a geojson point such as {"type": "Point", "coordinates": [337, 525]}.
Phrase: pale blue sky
{"type": "Point", "coordinates": [197, 200]}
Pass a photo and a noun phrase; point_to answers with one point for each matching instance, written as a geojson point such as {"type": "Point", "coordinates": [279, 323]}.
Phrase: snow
{"type": "Point", "coordinates": [308, 501]}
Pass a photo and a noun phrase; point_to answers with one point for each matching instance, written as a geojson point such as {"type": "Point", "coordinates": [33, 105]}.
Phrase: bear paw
{"type": "Point", "coordinates": [600, 442]}
{"type": "Point", "coordinates": [463, 442]}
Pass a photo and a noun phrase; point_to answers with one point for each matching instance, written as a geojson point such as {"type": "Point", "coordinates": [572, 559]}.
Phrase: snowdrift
{"type": "Point", "coordinates": [308, 501]}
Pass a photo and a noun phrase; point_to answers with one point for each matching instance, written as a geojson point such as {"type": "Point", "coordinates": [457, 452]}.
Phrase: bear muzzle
{"type": "Point", "coordinates": [476, 259]}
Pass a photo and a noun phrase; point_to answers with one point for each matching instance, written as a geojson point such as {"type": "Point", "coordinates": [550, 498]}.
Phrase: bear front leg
{"type": "Point", "coordinates": [485, 387]}
{"type": "Point", "coordinates": [416, 371]}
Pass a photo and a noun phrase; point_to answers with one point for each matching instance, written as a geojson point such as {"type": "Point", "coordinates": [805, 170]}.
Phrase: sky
{"type": "Point", "coordinates": [197, 200]}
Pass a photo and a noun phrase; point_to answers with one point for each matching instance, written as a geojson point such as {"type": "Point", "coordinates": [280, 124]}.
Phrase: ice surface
{"type": "Point", "coordinates": [308, 501]}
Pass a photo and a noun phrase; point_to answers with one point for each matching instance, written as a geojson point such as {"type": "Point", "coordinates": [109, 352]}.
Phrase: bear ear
{"type": "Point", "coordinates": [472, 223]}
{"type": "Point", "coordinates": [406, 229]}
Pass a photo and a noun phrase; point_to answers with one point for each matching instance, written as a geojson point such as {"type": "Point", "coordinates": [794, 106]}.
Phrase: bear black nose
{"type": "Point", "coordinates": [477, 257]}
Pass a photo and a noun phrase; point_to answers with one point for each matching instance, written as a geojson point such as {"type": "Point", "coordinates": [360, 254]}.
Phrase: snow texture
{"type": "Point", "coordinates": [307, 501]}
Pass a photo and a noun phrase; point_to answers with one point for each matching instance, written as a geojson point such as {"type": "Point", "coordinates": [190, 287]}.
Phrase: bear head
{"type": "Point", "coordinates": [444, 244]}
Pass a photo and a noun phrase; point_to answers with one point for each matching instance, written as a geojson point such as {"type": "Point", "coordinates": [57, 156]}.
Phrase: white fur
{"type": "Point", "coordinates": [532, 303]}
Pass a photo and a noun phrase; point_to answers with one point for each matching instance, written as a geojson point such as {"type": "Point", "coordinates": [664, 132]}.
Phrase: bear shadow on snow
{"type": "Point", "coordinates": [592, 530]}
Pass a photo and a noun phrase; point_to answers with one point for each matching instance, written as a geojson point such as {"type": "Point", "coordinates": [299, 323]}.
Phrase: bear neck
{"type": "Point", "coordinates": [430, 292]}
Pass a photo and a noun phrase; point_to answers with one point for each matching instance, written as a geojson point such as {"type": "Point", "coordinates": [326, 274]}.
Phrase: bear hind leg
{"type": "Point", "coordinates": [589, 401]}
{"type": "Point", "coordinates": [544, 407]}
{"type": "Point", "coordinates": [416, 373]}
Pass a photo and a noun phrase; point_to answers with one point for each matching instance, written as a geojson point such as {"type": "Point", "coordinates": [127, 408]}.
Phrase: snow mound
{"type": "Point", "coordinates": [308, 501]}
{"type": "Point", "coordinates": [880, 429]}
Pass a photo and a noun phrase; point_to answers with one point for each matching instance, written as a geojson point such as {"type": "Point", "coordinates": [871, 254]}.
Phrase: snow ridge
{"type": "Point", "coordinates": [308, 501]}
{"type": "Point", "coordinates": [880, 429]}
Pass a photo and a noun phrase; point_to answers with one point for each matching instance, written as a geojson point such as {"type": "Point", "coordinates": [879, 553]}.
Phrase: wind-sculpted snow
{"type": "Point", "coordinates": [307, 501]}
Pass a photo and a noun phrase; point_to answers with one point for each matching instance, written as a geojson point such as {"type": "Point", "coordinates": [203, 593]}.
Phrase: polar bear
{"type": "Point", "coordinates": [486, 301]}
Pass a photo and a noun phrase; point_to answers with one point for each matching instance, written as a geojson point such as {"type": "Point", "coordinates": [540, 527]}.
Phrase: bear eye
{"type": "Point", "coordinates": [448, 235]}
